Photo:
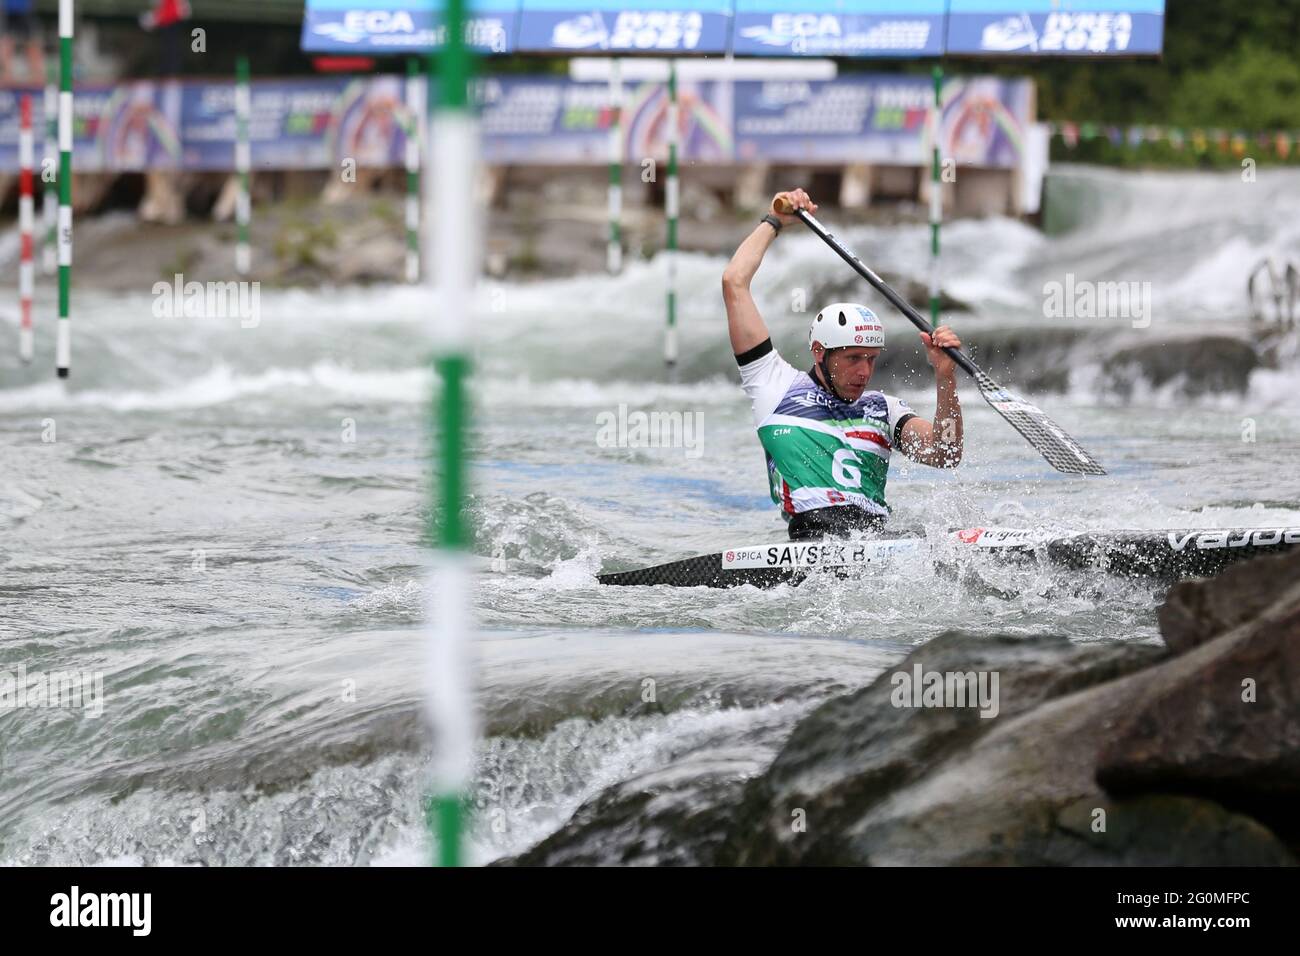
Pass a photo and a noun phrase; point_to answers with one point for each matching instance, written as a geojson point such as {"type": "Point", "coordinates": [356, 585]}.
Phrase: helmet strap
{"type": "Point", "coordinates": [828, 382]}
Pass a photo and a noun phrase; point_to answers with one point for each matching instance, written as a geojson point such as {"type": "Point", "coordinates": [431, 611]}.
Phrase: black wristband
{"type": "Point", "coordinates": [772, 221]}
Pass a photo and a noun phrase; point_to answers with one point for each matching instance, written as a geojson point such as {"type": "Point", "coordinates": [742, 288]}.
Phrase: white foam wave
{"type": "Point", "coordinates": [221, 384]}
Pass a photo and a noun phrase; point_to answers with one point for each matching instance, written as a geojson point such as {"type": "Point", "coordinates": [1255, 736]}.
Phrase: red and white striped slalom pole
{"type": "Point", "coordinates": [26, 267]}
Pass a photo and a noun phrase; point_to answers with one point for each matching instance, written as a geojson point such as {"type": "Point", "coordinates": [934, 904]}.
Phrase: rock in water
{"type": "Point", "coordinates": [1200, 364]}
{"type": "Point", "coordinates": [1222, 720]}
{"type": "Point", "coordinates": [1196, 611]}
{"type": "Point", "coordinates": [875, 783]}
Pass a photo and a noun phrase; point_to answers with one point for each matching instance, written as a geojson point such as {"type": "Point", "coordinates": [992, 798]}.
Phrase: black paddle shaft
{"type": "Point", "coordinates": [879, 284]}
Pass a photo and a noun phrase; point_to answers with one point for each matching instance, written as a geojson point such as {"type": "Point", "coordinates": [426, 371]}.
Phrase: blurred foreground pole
{"type": "Point", "coordinates": [243, 162]}
{"type": "Point", "coordinates": [936, 193]}
{"type": "Point", "coordinates": [614, 250]}
{"type": "Point", "coordinates": [415, 111]}
{"type": "Point", "coordinates": [451, 218]}
{"type": "Point", "coordinates": [63, 342]}
{"type": "Point", "coordinates": [26, 156]}
{"type": "Point", "coordinates": [671, 208]}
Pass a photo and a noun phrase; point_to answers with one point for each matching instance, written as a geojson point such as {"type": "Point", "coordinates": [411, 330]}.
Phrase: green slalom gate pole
{"type": "Point", "coordinates": [614, 249]}
{"type": "Point", "coordinates": [671, 208]}
{"type": "Point", "coordinates": [454, 252]}
{"type": "Point", "coordinates": [936, 193]}
{"type": "Point", "coordinates": [415, 111]}
{"type": "Point", "coordinates": [243, 162]}
{"type": "Point", "coordinates": [63, 340]}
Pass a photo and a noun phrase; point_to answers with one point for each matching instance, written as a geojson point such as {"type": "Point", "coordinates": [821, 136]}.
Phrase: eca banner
{"type": "Point", "coordinates": [402, 26]}
{"type": "Point", "coordinates": [1041, 28]}
{"type": "Point", "coordinates": [625, 26]}
{"type": "Point", "coordinates": [868, 28]}
{"type": "Point", "coordinates": [821, 28]}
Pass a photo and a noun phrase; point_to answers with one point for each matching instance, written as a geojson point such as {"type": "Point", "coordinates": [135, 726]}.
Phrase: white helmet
{"type": "Point", "coordinates": [844, 324]}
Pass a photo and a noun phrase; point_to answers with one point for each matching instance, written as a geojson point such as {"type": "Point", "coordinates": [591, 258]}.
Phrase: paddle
{"type": "Point", "coordinates": [1061, 451]}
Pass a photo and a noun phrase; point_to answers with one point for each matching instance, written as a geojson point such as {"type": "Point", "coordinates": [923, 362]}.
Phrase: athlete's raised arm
{"type": "Point", "coordinates": [744, 323]}
{"type": "Point", "coordinates": [938, 443]}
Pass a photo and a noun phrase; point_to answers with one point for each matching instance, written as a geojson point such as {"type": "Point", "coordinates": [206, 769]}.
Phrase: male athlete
{"type": "Point", "coordinates": [827, 438]}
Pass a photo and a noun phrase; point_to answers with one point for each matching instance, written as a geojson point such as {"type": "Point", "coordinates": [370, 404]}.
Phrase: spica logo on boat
{"type": "Point", "coordinates": [1082, 299]}
{"type": "Point", "coordinates": [208, 300]}
{"type": "Point", "coordinates": [922, 688]}
{"type": "Point", "coordinates": [73, 690]}
{"type": "Point", "coordinates": [638, 429]}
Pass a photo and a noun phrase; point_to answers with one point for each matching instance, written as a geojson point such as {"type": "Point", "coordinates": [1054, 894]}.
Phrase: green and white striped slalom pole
{"type": "Point", "coordinates": [63, 340]}
{"type": "Point", "coordinates": [415, 110]}
{"type": "Point", "coordinates": [936, 193]}
{"type": "Point", "coordinates": [243, 162]}
{"type": "Point", "coordinates": [671, 208]}
{"type": "Point", "coordinates": [50, 194]}
{"type": "Point", "coordinates": [454, 249]}
{"type": "Point", "coordinates": [614, 251]}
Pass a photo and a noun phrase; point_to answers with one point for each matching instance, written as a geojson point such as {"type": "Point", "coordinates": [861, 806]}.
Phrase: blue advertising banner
{"type": "Point", "coordinates": [131, 127]}
{"type": "Point", "coordinates": [402, 26]}
{"type": "Point", "coordinates": [1041, 28]}
{"type": "Point", "coordinates": [298, 124]}
{"type": "Point", "coordinates": [625, 26]}
{"type": "Point", "coordinates": [319, 123]}
{"type": "Point", "coordinates": [882, 119]}
{"type": "Point", "coordinates": [869, 28]}
{"type": "Point", "coordinates": [557, 121]}
{"type": "Point", "coordinates": [847, 28]}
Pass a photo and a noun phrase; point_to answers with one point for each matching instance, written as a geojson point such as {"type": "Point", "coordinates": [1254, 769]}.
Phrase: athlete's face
{"type": "Point", "coordinates": [851, 368]}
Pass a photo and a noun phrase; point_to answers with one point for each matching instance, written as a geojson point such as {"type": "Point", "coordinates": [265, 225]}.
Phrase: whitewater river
{"type": "Point", "coordinates": [224, 524]}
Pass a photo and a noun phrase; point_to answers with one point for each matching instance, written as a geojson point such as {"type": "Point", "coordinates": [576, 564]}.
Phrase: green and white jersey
{"type": "Point", "coordinates": [821, 450]}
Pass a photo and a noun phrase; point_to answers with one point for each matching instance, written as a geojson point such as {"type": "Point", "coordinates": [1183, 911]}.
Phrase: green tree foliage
{"type": "Point", "coordinates": [1235, 65]}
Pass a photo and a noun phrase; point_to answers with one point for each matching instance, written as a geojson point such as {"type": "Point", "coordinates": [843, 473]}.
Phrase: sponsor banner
{"type": "Point", "coordinates": [1039, 28]}
{"type": "Point", "coordinates": [625, 26]}
{"type": "Point", "coordinates": [403, 26]}
{"type": "Point", "coordinates": [850, 28]}
{"type": "Point", "coordinates": [130, 127]}
{"type": "Point", "coordinates": [867, 28]}
{"type": "Point", "coordinates": [299, 124]}
{"type": "Point", "coordinates": [319, 122]}
{"type": "Point", "coordinates": [882, 119]}
{"type": "Point", "coordinates": [552, 120]}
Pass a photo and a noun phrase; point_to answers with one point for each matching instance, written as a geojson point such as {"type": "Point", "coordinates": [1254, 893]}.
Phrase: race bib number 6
{"type": "Point", "coordinates": [845, 469]}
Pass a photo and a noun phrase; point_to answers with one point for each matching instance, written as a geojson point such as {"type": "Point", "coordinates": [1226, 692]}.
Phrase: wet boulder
{"type": "Point", "coordinates": [1196, 365]}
